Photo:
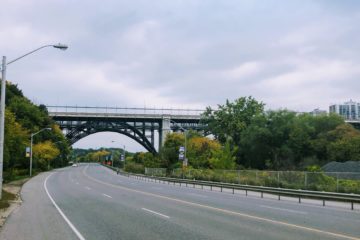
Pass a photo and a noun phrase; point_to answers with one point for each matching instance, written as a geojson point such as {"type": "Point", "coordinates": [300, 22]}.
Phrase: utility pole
{"type": "Point", "coordinates": [2, 120]}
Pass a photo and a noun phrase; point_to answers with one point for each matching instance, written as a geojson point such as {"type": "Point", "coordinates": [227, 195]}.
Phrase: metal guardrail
{"type": "Point", "coordinates": [300, 194]}
{"type": "Point", "coordinates": [124, 110]}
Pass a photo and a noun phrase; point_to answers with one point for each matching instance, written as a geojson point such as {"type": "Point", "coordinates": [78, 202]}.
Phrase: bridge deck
{"type": "Point", "coordinates": [130, 116]}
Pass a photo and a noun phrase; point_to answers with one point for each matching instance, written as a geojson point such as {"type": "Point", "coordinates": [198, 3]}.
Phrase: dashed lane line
{"type": "Point", "coordinates": [290, 225]}
{"type": "Point", "coordinates": [156, 213]}
{"type": "Point", "coordinates": [107, 195]}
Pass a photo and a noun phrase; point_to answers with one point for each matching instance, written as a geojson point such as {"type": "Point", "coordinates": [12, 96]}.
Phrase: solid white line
{"type": "Point", "coordinates": [107, 195]}
{"type": "Point", "coordinates": [197, 195]}
{"type": "Point", "coordinates": [78, 234]}
{"type": "Point", "coordinates": [151, 211]}
{"type": "Point", "coordinates": [284, 209]}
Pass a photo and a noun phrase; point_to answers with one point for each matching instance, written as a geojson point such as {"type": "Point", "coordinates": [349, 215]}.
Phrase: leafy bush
{"type": "Point", "coordinates": [134, 168]}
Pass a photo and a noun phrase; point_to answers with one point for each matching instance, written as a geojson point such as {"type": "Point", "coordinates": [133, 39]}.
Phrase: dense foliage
{"type": "Point", "coordinates": [22, 118]}
{"type": "Point", "coordinates": [102, 155]}
{"type": "Point", "coordinates": [245, 136]}
{"type": "Point", "coordinates": [281, 139]}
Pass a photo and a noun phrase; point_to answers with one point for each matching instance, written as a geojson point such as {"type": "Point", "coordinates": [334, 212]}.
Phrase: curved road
{"type": "Point", "coordinates": [92, 202]}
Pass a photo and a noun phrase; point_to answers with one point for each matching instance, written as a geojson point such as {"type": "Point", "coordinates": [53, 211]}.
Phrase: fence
{"type": "Point", "coordinates": [344, 182]}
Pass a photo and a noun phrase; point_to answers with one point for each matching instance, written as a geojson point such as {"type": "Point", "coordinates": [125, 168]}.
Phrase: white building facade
{"type": "Point", "coordinates": [350, 110]}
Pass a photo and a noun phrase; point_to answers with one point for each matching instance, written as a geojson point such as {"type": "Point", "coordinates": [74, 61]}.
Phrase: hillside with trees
{"type": "Point", "coordinates": [102, 155]}
{"type": "Point", "coordinates": [245, 136]}
{"type": "Point", "coordinates": [22, 118]}
{"type": "Point", "coordinates": [282, 139]}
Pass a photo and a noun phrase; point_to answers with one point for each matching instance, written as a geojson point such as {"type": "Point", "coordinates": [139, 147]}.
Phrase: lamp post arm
{"type": "Point", "coordinates": [33, 134]}
{"type": "Point", "coordinates": [10, 62]}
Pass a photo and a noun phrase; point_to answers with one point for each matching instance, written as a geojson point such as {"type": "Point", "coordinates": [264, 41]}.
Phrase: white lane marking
{"type": "Point", "coordinates": [263, 219]}
{"type": "Point", "coordinates": [284, 209]}
{"type": "Point", "coordinates": [88, 188]}
{"type": "Point", "coordinates": [106, 195]}
{"type": "Point", "coordinates": [197, 195]}
{"type": "Point", "coordinates": [78, 234]}
{"type": "Point", "coordinates": [151, 211]}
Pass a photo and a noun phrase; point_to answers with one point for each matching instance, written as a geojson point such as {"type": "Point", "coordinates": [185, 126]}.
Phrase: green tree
{"type": "Point", "coordinates": [223, 158]}
{"type": "Point", "coordinates": [170, 151]}
{"type": "Point", "coordinates": [16, 140]}
{"type": "Point", "coordinates": [97, 156]}
{"type": "Point", "coordinates": [23, 118]}
{"type": "Point", "coordinates": [344, 144]}
{"type": "Point", "coordinates": [232, 118]}
{"type": "Point", "coordinates": [200, 150]}
{"type": "Point", "coordinates": [148, 160]}
{"type": "Point", "coordinates": [45, 152]}
{"type": "Point", "coordinates": [255, 145]}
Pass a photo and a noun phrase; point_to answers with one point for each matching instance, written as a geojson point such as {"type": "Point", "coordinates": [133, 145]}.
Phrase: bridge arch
{"type": "Point", "coordinates": [140, 124]}
{"type": "Point", "coordinates": [92, 127]}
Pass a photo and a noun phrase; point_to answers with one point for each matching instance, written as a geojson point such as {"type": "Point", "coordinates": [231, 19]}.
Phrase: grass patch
{"type": "Point", "coordinates": [6, 197]}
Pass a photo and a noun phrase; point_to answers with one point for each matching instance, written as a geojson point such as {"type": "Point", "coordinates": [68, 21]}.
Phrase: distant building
{"type": "Point", "coordinates": [318, 112]}
{"type": "Point", "coordinates": [350, 111]}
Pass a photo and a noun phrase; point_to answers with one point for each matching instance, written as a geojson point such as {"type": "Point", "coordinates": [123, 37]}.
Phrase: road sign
{"type": "Point", "coordinates": [181, 156]}
{"type": "Point", "coordinates": [27, 152]}
{"type": "Point", "coordinates": [181, 149]}
{"type": "Point", "coordinates": [122, 157]}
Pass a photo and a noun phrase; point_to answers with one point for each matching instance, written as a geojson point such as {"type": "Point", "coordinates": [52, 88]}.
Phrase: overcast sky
{"type": "Point", "coordinates": [298, 55]}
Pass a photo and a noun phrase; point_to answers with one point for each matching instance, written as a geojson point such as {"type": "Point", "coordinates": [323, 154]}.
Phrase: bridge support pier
{"type": "Point", "coordinates": [164, 130]}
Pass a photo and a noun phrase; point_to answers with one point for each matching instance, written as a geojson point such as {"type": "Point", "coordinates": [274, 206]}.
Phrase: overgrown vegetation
{"type": "Point", "coordinates": [22, 118]}
{"type": "Point", "coordinates": [102, 155]}
{"type": "Point", "coordinates": [245, 136]}
{"type": "Point", "coordinates": [6, 197]}
{"type": "Point", "coordinates": [282, 139]}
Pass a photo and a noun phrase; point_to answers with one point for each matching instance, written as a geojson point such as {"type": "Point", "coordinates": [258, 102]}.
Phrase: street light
{"type": "Point", "coordinates": [112, 155]}
{"type": "Point", "coordinates": [31, 146]}
{"type": "Point", "coordinates": [122, 156]}
{"type": "Point", "coordinates": [2, 102]}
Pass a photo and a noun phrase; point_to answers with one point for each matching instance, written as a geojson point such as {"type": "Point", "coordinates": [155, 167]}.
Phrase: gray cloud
{"type": "Point", "coordinates": [290, 54]}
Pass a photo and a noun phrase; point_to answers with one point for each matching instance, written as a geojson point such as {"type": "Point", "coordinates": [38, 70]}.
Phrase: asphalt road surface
{"type": "Point", "coordinates": [93, 202]}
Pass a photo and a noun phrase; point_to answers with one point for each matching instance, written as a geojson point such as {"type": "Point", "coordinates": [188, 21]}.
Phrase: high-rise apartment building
{"type": "Point", "coordinates": [349, 110]}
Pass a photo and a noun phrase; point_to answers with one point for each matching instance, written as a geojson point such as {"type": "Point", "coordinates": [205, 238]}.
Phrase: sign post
{"type": "Point", "coordinates": [182, 157]}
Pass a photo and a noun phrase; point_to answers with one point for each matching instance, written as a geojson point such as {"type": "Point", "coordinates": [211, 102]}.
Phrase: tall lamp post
{"type": "Point", "coordinates": [124, 157]}
{"type": "Point", "coordinates": [112, 155]}
{"type": "Point", "coordinates": [2, 108]}
{"type": "Point", "coordinates": [31, 147]}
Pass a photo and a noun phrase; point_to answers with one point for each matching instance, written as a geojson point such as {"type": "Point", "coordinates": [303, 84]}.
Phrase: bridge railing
{"type": "Point", "coordinates": [124, 110]}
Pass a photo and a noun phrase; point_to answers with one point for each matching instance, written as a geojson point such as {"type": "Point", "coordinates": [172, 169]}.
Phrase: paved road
{"type": "Point", "coordinates": [98, 204]}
